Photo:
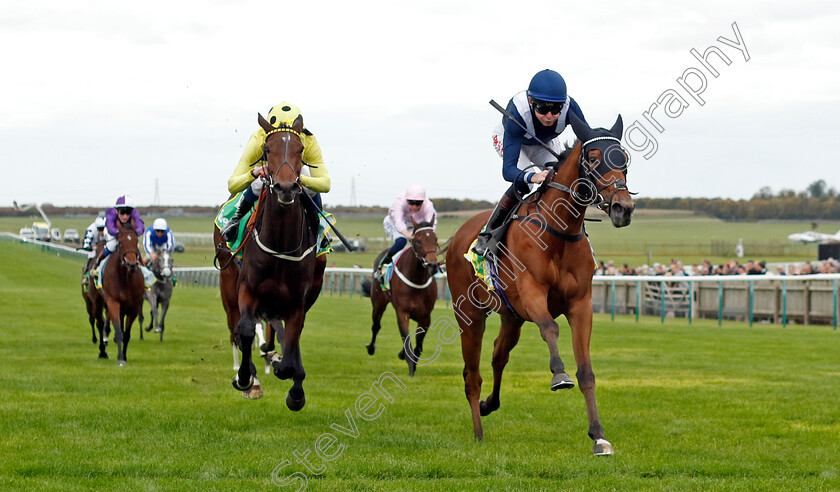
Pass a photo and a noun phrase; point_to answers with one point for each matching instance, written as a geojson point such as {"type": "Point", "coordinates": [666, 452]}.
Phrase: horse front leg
{"type": "Point", "coordinates": [379, 301]}
{"type": "Point", "coordinates": [163, 308]}
{"type": "Point", "coordinates": [536, 308]}
{"type": "Point", "coordinates": [508, 338]}
{"type": "Point", "coordinates": [114, 316]}
{"type": "Point", "coordinates": [246, 327]}
{"type": "Point", "coordinates": [580, 320]}
{"type": "Point", "coordinates": [100, 326]}
{"type": "Point", "coordinates": [403, 320]}
{"type": "Point", "coordinates": [128, 320]}
{"type": "Point", "coordinates": [291, 364]}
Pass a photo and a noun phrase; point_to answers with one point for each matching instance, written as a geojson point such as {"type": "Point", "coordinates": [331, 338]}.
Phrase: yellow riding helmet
{"type": "Point", "coordinates": [283, 113]}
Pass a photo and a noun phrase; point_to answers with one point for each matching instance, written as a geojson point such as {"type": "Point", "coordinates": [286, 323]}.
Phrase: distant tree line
{"type": "Point", "coordinates": [817, 201]}
{"type": "Point", "coordinates": [454, 204]}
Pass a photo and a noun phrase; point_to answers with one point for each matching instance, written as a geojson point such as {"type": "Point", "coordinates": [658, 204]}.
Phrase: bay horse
{"type": "Point", "coordinates": [123, 288]}
{"type": "Point", "coordinates": [159, 294]}
{"type": "Point", "coordinates": [228, 278]}
{"type": "Point", "coordinates": [281, 276]}
{"type": "Point", "coordinates": [545, 269]}
{"type": "Point", "coordinates": [95, 304]}
{"type": "Point", "coordinates": [413, 291]}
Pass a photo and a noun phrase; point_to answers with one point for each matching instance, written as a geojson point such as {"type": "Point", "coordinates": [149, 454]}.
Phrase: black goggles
{"type": "Point", "coordinates": [545, 107]}
{"type": "Point", "coordinates": [415, 202]}
{"type": "Point", "coordinates": [124, 210]}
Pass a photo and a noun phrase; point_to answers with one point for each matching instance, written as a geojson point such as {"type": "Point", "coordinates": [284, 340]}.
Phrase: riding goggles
{"type": "Point", "coordinates": [124, 210]}
{"type": "Point", "coordinates": [415, 202]}
{"type": "Point", "coordinates": [545, 107]}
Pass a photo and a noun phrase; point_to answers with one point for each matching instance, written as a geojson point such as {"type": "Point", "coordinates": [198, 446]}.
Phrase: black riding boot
{"type": "Point", "coordinates": [231, 230]}
{"type": "Point", "coordinates": [496, 227]}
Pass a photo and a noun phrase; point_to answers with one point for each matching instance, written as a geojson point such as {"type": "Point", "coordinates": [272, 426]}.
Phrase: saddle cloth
{"type": "Point", "coordinates": [148, 277]}
{"type": "Point", "coordinates": [229, 209]}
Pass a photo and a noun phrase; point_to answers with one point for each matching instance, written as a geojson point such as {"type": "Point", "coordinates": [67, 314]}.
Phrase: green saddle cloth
{"type": "Point", "coordinates": [227, 211]}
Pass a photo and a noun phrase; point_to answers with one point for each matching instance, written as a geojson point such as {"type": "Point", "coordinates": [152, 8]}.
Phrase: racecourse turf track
{"type": "Point", "coordinates": [686, 407]}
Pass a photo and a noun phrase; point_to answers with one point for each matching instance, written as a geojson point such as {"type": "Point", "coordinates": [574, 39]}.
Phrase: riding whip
{"type": "Point", "coordinates": [511, 118]}
{"type": "Point", "coordinates": [341, 237]}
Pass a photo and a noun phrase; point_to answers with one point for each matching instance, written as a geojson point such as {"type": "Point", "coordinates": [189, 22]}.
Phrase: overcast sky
{"type": "Point", "coordinates": [101, 98]}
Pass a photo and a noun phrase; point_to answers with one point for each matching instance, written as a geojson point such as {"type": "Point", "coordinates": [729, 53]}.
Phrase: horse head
{"type": "Point", "coordinates": [603, 167]}
{"type": "Point", "coordinates": [283, 153]}
{"type": "Point", "coordinates": [127, 246]}
{"type": "Point", "coordinates": [162, 266]}
{"type": "Point", "coordinates": [424, 244]}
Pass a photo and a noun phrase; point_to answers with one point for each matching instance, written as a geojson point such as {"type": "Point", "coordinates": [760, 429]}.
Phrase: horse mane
{"type": "Point", "coordinates": [564, 154]}
{"type": "Point", "coordinates": [424, 224]}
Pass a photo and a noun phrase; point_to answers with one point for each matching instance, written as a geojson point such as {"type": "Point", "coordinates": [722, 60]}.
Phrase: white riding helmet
{"type": "Point", "coordinates": [99, 222]}
{"type": "Point", "coordinates": [415, 192]}
{"type": "Point", "coordinates": [124, 201]}
{"type": "Point", "coordinates": [160, 224]}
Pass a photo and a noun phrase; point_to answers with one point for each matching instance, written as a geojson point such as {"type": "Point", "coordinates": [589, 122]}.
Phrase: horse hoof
{"type": "Point", "coordinates": [235, 382]}
{"type": "Point", "coordinates": [486, 409]}
{"type": "Point", "coordinates": [295, 405]}
{"type": "Point", "coordinates": [411, 368]}
{"type": "Point", "coordinates": [401, 355]}
{"type": "Point", "coordinates": [561, 380]}
{"type": "Point", "coordinates": [158, 330]}
{"type": "Point", "coordinates": [371, 348]}
{"type": "Point", "coordinates": [254, 393]}
{"type": "Point", "coordinates": [94, 340]}
{"type": "Point", "coordinates": [149, 328]}
{"type": "Point", "coordinates": [105, 340]}
{"type": "Point", "coordinates": [103, 355]}
{"type": "Point", "coordinates": [602, 448]}
{"type": "Point", "coordinates": [121, 363]}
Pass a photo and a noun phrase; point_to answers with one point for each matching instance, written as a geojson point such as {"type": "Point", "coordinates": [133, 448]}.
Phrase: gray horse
{"type": "Point", "coordinates": [160, 293]}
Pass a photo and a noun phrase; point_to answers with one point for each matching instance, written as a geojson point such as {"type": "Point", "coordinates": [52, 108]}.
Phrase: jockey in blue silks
{"type": "Point", "coordinates": [544, 110]}
{"type": "Point", "coordinates": [158, 238]}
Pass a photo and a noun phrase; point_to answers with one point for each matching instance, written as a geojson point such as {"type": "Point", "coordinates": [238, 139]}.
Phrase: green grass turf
{"type": "Point", "coordinates": [697, 407]}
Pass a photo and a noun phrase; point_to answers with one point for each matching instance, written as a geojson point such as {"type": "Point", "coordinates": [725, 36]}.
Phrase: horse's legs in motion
{"type": "Point", "coordinates": [536, 306]}
{"type": "Point", "coordinates": [116, 320]}
{"type": "Point", "coordinates": [128, 319]}
{"type": "Point", "coordinates": [246, 329]}
{"type": "Point", "coordinates": [273, 330]}
{"type": "Point", "coordinates": [379, 300]}
{"type": "Point", "coordinates": [151, 296]}
{"type": "Point", "coordinates": [291, 366]}
{"type": "Point", "coordinates": [163, 307]}
{"type": "Point", "coordinates": [140, 317]}
{"type": "Point", "coordinates": [580, 320]}
{"type": "Point", "coordinates": [471, 320]}
{"type": "Point", "coordinates": [403, 320]}
{"type": "Point", "coordinates": [508, 338]}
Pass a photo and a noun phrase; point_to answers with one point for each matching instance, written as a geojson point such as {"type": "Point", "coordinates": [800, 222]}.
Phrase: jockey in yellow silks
{"type": "Point", "coordinates": [313, 177]}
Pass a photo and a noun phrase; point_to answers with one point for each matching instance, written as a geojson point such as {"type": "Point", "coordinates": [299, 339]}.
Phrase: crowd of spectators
{"type": "Point", "coordinates": [676, 268]}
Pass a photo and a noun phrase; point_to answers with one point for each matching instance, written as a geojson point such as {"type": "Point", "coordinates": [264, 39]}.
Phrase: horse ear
{"type": "Point", "coordinates": [298, 124]}
{"type": "Point", "coordinates": [265, 125]}
{"type": "Point", "coordinates": [618, 128]}
{"type": "Point", "coordinates": [581, 129]}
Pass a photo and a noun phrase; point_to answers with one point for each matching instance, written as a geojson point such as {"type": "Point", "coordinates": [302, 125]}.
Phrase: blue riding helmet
{"type": "Point", "coordinates": [547, 85]}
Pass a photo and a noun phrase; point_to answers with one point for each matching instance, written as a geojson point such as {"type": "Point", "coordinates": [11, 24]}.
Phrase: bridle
{"type": "Point", "coordinates": [271, 179]}
{"type": "Point", "coordinates": [421, 257]}
{"type": "Point", "coordinates": [124, 253]}
{"type": "Point", "coordinates": [271, 183]}
{"type": "Point", "coordinates": [594, 195]}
